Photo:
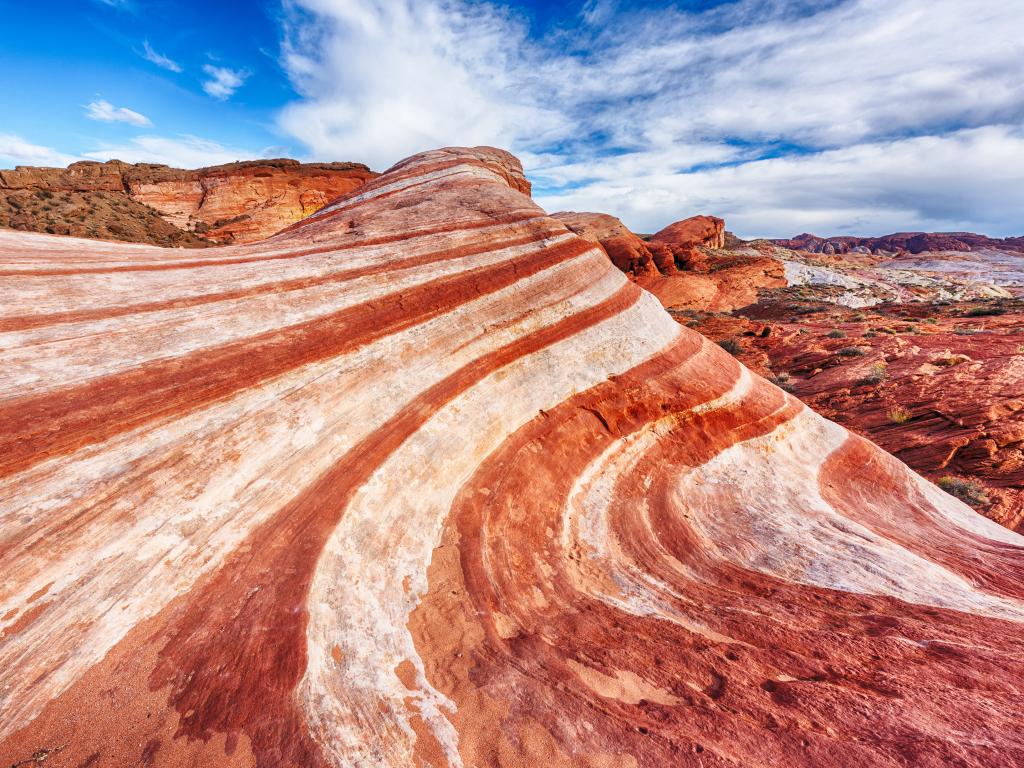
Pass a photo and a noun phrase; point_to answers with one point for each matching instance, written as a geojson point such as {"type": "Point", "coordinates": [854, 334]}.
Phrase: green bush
{"type": "Point", "coordinates": [983, 311]}
{"type": "Point", "coordinates": [836, 334]}
{"type": "Point", "coordinates": [731, 346]}
{"type": "Point", "coordinates": [876, 375]}
{"type": "Point", "coordinates": [851, 351]}
{"type": "Point", "coordinates": [783, 381]}
{"type": "Point", "coordinates": [899, 415]}
{"type": "Point", "coordinates": [968, 491]}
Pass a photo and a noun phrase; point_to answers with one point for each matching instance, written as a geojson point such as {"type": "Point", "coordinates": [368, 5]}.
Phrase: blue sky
{"type": "Point", "coordinates": [783, 116]}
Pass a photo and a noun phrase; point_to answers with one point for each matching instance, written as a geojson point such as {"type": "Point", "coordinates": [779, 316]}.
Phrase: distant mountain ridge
{"type": "Point", "coordinates": [907, 242]}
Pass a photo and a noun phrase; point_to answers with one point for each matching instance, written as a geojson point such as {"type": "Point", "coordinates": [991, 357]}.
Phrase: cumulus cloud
{"type": "Point", "coordinates": [158, 58]}
{"type": "Point", "coordinates": [14, 150]}
{"type": "Point", "coordinates": [670, 107]}
{"type": "Point", "coordinates": [384, 79]}
{"type": "Point", "coordinates": [223, 81]}
{"type": "Point", "coordinates": [106, 112]}
{"type": "Point", "coordinates": [178, 151]}
{"type": "Point", "coordinates": [971, 179]}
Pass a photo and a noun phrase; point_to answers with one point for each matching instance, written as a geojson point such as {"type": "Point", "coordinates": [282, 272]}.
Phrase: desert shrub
{"type": "Point", "coordinates": [983, 311]}
{"type": "Point", "coordinates": [783, 381]}
{"type": "Point", "coordinates": [899, 415]}
{"type": "Point", "coordinates": [803, 330]}
{"type": "Point", "coordinates": [836, 334]}
{"type": "Point", "coordinates": [851, 351]}
{"type": "Point", "coordinates": [876, 375]}
{"type": "Point", "coordinates": [870, 335]}
{"type": "Point", "coordinates": [931, 321]}
{"type": "Point", "coordinates": [889, 331]}
{"type": "Point", "coordinates": [908, 328]}
{"type": "Point", "coordinates": [966, 331]}
{"type": "Point", "coordinates": [731, 346]}
{"type": "Point", "coordinates": [968, 491]}
{"type": "Point", "coordinates": [44, 194]}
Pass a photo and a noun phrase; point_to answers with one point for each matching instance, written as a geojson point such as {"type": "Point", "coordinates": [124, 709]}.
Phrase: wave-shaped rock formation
{"type": "Point", "coordinates": [425, 480]}
{"type": "Point", "coordinates": [235, 203]}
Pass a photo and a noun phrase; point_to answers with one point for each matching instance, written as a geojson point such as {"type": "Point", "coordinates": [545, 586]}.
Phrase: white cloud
{"type": "Point", "coordinates": [647, 103]}
{"type": "Point", "coordinates": [223, 81]}
{"type": "Point", "coordinates": [106, 112]}
{"type": "Point", "coordinates": [158, 58]}
{"type": "Point", "coordinates": [179, 151]}
{"type": "Point", "coordinates": [970, 180]}
{"type": "Point", "coordinates": [382, 80]}
{"type": "Point", "coordinates": [14, 150]}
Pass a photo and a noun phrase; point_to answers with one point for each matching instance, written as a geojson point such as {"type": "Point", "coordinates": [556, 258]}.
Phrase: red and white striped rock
{"type": "Point", "coordinates": [425, 480]}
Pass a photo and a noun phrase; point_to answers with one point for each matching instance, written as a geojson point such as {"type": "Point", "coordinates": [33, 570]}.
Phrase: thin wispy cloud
{"type": "Point", "coordinates": [776, 93]}
{"type": "Point", "coordinates": [159, 59]}
{"type": "Point", "coordinates": [106, 112]}
{"type": "Point", "coordinates": [14, 150]}
{"type": "Point", "coordinates": [184, 151]}
{"type": "Point", "coordinates": [121, 5]}
{"type": "Point", "coordinates": [223, 81]}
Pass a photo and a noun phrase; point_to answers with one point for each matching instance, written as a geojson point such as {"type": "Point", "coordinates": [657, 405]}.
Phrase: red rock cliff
{"type": "Point", "coordinates": [678, 265]}
{"type": "Point", "coordinates": [236, 203]}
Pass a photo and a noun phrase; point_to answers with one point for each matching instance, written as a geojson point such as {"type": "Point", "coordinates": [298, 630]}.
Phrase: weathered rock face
{"type": "Point", "coordinates": [235, 203]}
{"type": "Point", "coordinates": [627, 251]}
{"type": "Point", "coordinates": [245, 202]}
{"type": "Point", "coordinates": [85, 176]}
{"type": "Point", "coordinates": [426, 480]}
{"type": "Point", "coordinates": [679, 265]}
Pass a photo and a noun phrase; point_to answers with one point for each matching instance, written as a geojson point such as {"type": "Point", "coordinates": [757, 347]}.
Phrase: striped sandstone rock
{"type": "Point", "coordinates": [425, 480]}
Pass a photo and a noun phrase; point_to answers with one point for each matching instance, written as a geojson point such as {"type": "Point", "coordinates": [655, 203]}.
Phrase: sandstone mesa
{"type": "Point", "coordinates": [240, 202]}
{"type": "Point", "coordinates": [426, 480]}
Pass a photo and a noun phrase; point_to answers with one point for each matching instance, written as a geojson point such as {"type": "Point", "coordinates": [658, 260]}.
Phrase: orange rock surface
{"type": "Point", "coordinates": [426, 480]}
{"type": "Point", "coordinates": [235, 203]}
{"type": "Point", "coordinates": [245, 202]}
{"type": "Point", "coordinates": [679, 265]}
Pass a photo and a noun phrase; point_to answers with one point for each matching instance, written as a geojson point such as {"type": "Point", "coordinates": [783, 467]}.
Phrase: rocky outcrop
{"type": "Point", "coordinates": [902, 242]}
{"type": "Point", "coordinates": [684, 238]}
{"type": "Point", "coordinates": [626, 250]}
{"type": "Point", "coordinates": [425, 479]}
{"type": "Point", "coordinates": [679, 264]}
{"type": "Point", "coordinates": [244, 202]}
{"type": "Point", "coordinates": [235, 203]}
